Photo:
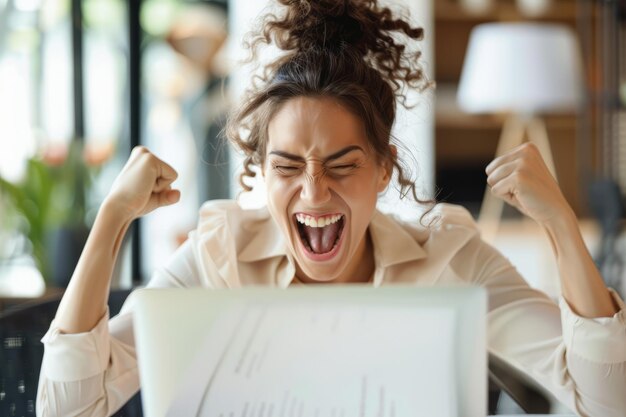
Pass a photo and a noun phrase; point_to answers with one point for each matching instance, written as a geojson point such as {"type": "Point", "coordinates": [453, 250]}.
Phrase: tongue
{"type": "Point", "coordinates": [322, 239]}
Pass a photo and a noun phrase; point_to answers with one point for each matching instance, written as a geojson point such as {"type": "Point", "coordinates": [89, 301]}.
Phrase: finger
{"type": "Point", "coordinates": [166, 171]}
{"type": "Point", "coordinates": [506, 189]}
{"type": "Point", "coordinates": [502, 171]}
{"type": "Point", "coordinates": [510, 156]}
{"type": "Point", "coordinates": [138, 150]}
{"type": "Point", "coordinates": [136, 153]}
{"type": "Point", "coordinates": [161, 199]}
{"type": "Point", "coordinates": [162, 184]}
{"type": "Point", "coordinates": [165, 175]}
{"type": "Point", "coordinates": [510, 199]}
{"type": "Point", "coordinates": [501, 160]}
{"type": "Point", "coordinates": [162, 168]}
{"type": "Point", "coordinates": [172, 196]}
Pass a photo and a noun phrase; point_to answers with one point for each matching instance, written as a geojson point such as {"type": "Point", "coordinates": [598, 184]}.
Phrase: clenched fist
{"type": "Point", "coordinates": [144, 185]}
{"type": "Point", "coordinates": [522, 179]}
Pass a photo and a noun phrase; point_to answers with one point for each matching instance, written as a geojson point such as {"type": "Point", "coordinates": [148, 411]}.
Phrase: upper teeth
{"type": "Point", "coordinates": [317, 222]}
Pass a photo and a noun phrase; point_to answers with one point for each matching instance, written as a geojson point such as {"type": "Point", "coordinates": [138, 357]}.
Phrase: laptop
{"type": "Point", "coordinates": [312, 351]}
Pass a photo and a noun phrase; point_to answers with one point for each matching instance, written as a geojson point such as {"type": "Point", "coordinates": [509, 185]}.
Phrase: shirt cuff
{"type": "Point", "coordinates": [74, 357]}
{"type": "Point", "coordinates": [601, 339]}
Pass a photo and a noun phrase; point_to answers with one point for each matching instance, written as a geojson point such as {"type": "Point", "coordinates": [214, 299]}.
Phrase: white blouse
{"type": "Point", "coordinates": [581, 361]}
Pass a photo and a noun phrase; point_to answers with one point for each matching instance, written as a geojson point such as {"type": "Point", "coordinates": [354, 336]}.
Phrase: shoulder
{"type": "Point", "coordinates": [229, 217]}
{"type": "Point", "coordinates": [447, 232]}
{"type": "Point", "coordinates": [455, 234]}
{"type": "Point", "coordinates": [450, 247]}
{"type": "Point", "coordinates": [233, 244]}
{"type": "Point", "coordinates": [241, 234]}
{"type": "Point", "coordinates": [452, 231]}
{"type": "Point", "coordinates": [447, 216]}
{"type": "Point", "coordinates": [441, 221]}
{"type": "Point", "coordinates": [433, 238]}
{"type": "Point", "coordinates": [442, 246]}
{"type": "Point", "coordinates": [219, 209]}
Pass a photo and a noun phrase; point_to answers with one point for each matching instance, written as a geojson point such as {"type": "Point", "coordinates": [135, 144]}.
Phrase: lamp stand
{"type": "Point", "coordinates": [516, 128]}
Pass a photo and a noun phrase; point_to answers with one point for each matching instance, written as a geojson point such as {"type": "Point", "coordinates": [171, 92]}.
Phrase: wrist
{"type": "Point", "coordinates": [113, 222]}
{"type": "Point", "coordinates": [114, 213]}
{"type": "Point", "coordinates": [565, 222]}
{"type": "Point", "coordinates": [563, 233]}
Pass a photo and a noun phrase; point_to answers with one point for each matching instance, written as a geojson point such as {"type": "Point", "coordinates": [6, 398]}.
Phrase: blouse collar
{"type": "Point", "coordinates": [392, 245]}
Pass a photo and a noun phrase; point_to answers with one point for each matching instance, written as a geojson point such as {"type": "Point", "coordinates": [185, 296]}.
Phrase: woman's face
{"type": "Point", "coordinates": [322, 182]}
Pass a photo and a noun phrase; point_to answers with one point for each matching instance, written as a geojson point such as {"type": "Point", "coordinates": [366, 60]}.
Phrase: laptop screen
{"type": "Point", "coordinates": [316, 351]}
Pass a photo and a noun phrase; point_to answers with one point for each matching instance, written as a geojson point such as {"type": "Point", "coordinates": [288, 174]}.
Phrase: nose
{"type": "Point", "coordinates": [315, 191]}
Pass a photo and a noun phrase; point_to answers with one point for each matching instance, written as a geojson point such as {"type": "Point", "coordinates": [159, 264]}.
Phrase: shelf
{"type": "Point", "coordinates": [448, 11]}
{"type": "Point", "coordinates": [465, 143]}
{"type": "Point", "coordinates": [454, 25]}
{"type": "Point", "coordinates": [449, 115]}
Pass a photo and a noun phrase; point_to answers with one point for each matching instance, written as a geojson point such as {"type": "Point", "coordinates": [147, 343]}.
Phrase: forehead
{"type": "Point", "coordinates": [314, 126]}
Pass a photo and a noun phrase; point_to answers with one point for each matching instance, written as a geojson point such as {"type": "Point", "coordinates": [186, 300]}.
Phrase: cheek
{"type": "Point", "coordinates": [279, 193]}
{"type": "Point", "coordinates": [360, 193]}
{"type": "Point", "coordinates": [278, 185]}
{"type": "Point", "coordinates": [363, 186]}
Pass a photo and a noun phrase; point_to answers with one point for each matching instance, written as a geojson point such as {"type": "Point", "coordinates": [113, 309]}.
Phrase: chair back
{"type": "Point", "coordinates": [21, 352]}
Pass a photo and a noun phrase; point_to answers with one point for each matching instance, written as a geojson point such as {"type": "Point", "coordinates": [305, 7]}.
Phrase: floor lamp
{"type": "Point", "coordinates": [522, 70]}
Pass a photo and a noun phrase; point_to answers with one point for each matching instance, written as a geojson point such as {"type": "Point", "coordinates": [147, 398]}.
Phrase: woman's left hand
{"type": "Point", "coordinates": [521, 178]}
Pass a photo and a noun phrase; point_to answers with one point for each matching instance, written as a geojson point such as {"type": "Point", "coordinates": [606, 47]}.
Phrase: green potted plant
{"type": "Point", "coordinates": [52, 201]}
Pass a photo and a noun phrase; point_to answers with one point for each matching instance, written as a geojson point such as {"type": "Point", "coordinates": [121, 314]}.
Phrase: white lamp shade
{"type": "Point", "coordinates": [523, 68]}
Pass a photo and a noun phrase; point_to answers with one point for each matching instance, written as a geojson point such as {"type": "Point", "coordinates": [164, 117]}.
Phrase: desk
{"type": "Point", "coordinates": [8, 302]}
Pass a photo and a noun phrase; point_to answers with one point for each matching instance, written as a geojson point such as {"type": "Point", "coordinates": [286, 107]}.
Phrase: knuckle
{"type": "Point", "coordinates": [521, 170]}
{"type": "Point", "coordinates": [140, 149]}
{"type": "Point", "coordinates": [530, 148]}
{"type": "Point", "coordinates": [147, 158]}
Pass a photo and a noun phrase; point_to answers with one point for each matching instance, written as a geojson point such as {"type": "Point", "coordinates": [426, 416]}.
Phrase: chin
{"type": "Point", "coordinates": [321, 275]}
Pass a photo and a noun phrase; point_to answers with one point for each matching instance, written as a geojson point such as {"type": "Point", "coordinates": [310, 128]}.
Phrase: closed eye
{"type": "Point", "coordinates": [286, 169]}
{"type": "Point", "coordinates": [342, 169]}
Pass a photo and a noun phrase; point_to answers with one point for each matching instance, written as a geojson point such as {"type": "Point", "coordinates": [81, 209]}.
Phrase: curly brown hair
{"type": "Point", "coordinates": [347, 50]}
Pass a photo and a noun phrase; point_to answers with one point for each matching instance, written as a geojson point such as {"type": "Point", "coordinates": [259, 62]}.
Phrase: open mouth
{"type": "Point", "coordinates": [320, 235]}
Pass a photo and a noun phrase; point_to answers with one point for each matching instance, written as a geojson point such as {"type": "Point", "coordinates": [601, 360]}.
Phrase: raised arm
{"type": "Point", "coordinates": [581, 355]}
{"type": "Point", "coordinates": [85, 371]}
{"type": "Point", "coordinates": [522, 179]}
{"type": "Point", "coordinates": [143, 185]}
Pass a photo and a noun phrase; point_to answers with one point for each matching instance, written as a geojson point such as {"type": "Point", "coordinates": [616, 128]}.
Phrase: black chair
{"type": "Point", "coordinates": [21, 329]}
{"type": "Point", "coordinates": [505, 383]}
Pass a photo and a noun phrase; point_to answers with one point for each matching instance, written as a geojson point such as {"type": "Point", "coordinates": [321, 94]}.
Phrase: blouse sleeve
{"type": "Point", "coordinates": [95, 373]}
{"type": "Point", "coordinates": [581, 361]}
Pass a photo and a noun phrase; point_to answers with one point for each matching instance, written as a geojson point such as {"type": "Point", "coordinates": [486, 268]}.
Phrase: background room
{"type": "Point", "coordinates": [83, 82]}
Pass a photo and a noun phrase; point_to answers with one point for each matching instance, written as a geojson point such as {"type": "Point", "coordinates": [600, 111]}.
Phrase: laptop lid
{"type": "Point", "coordinates": [312, 351]}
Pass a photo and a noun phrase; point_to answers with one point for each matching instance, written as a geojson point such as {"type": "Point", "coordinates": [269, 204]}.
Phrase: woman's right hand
{"type": "Point", "coordinates": [144, 185]}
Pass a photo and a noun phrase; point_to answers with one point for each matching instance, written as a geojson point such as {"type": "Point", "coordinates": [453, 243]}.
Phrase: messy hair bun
{"type": "Point", "coordinates": [361, 26]}
{"type": "Point", "coordinates": [349, 50]}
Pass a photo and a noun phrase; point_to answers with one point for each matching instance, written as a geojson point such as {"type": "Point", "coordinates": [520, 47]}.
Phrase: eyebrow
{"type": "Point", "coordinates": [329, 158]}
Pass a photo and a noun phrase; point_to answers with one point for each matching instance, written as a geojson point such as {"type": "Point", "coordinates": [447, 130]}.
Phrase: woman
{"type": "Point", "coordinates": [318, 128]}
